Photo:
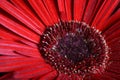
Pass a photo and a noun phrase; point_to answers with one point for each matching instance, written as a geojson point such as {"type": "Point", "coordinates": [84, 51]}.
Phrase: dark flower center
{"type": "Point", "coordinates": [74, 48]}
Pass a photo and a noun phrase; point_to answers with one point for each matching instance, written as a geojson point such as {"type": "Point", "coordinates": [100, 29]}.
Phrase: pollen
{"type": "Point", "coordinates": [74, 48]}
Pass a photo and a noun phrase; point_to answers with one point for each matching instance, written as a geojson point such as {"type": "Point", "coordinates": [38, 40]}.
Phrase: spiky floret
{"type": "Point", "coordinates": [74, 48]}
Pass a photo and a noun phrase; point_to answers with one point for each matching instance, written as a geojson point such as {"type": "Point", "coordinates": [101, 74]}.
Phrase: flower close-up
{"type": "Point", "coordinates": [59, 39]}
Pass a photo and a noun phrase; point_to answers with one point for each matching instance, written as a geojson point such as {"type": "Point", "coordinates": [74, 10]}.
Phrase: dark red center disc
{"type": "Point", "coordinates": [74, 48]}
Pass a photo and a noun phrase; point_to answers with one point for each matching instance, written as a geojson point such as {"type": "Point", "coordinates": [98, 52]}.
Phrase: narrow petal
{"type": "Point", "coordinates": [14, 63]}
{"type": "Point", "coordinates": [50, 5]}
{"type": "Point", "coordinates": [115, 30]}
{"type": "Point", "coordinates": [109, 12]}
{"type": "Point", "coordinates": [91, 10]}
{"type": "Point", "coordinates": [18, 29]}
{"type": "Point", "coordinates": [104, 12]}
{"type": "Point", "coordinates": [62, 77]}
{"type": "Point", "coordinates": [115, 45]}
{"type": "Point", "coordinates": [110, 43]}
{"type": "Point", "coordinates": [4, 35]}
{"type": "Point", "coordinates": [62, 11]}
{"type": "Point", "coordinates": [50, 76]}
{"type": "Point", "coordinates": [105, 77]}
{"type": "Point", "coordinates": [18, 52]}
{"type": "Point", "coordinates": [112, 29]}
{"type": "Point", "coordinates": [13, 37]}
{"type": "Point", "coordinates": [111, 76]}
{"type": "Point", "coordinates": [114, 66]}
{"type": "Point", "coordinates": [68, 9]}
{"type": "Point", "coordinates": [18, 14]}
{"type": "Point", "coordinates": [26, 10]}
{"type": "Point", "coordinates": [33, 71]}
{"type": "Point", "coordinates": [9, 76]}
{"type": "Point", "coordinates": [76, 77]}
{"type": "Point", "coordinates": [13, 48]}
{"type": "Point", "coordinates": [114, 35]}
{"type": "Point", "coordinates": [111, 21]}
{"type": "Point", "coordinates": [115, 56]}
{"type": "Point", "coordinates": [114, 49]}
{"type": "Point", "coordinates": [41, 10]}
{"type": "Point", "coordinates": [79, 7]}
{"type": "Point", "coordinates": [92, 77]}
{"type": "Point", "coordinates": [65, 9]}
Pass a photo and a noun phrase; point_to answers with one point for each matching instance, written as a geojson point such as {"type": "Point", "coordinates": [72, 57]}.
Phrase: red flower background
{"type": "Point", "coordinates": [23, 21]}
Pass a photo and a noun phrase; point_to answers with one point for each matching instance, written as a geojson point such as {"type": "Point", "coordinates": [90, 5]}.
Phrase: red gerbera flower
{"type": "Point", "coordinates": [59, 39]}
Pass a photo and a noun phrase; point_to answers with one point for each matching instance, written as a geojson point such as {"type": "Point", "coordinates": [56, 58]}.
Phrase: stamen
{"type": "Point", "coordinates": [74, 48]}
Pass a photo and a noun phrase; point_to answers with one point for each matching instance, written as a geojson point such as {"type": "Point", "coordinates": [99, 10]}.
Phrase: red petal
{"type": "Point", "coordinates": [114, 66]}
{"type": "Point", "coordinates": [112, 29]}
{"type": "Point", "coordinates": [62, 76]}
{"type": "Point", "coordinates": [105, 77]}
{"type": "Point", "coordinates": [9, 76]}
{"type": "Point", "coordinates": [115, 56]}
{"type": "Point", "coordinates": [65, 9]}
{"type": "Point", "coordinates": [68, 8]}
{"type": "Point", "coordinates": [50, 5]}
{"type": "Point", "coordinates": [10, 48]}
{"type": "Point", "coordinates": [13, 37]}
{"type": "Point", "coordinates": [42, 12]}
{"type": "Point", "coordinates": [79, 7]}
{"type": "Point", "coordinates": [62, 12]}
{"type": "Point", "coordinates": [33, 71]}
{"type": "Point", "coordinates": [25, 9]}
{"type": "Point", "coordinates": [18, 29]}
{"type": "Point", "coordinates": [91, 10]}
{"type": "Point", "coordinates": [76, 77]}
{"type": "Point", "coordinates": [91, 77]}
{"type": "Point", "coordinates": [110, 76]}
{"type": "Point", "coordinates": [115, 44]}
{"type": "Point", "coordinates": [50, 76]}
{"type": "Point", "coordinates": [110, 21]}
{"type": "Point", "coordinates": [13, 63]}
{"type": "Point", "coordinates": [114, 49]}
{"type": "Point", "coordinates": [8, 7]}
{"type": "Point", "coordinates": [105, 12]}
{"type": "Point", "coordinates": [113, 35]}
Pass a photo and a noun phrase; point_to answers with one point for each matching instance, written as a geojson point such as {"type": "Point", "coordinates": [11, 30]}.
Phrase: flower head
{"type": "Point", "coordinates": [59, 40]}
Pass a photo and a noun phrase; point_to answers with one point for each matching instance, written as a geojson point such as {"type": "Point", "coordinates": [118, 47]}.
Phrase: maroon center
{"type": "Point", "coordinates": [73, 48]}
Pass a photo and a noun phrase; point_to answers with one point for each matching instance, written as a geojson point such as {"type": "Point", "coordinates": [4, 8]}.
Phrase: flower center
{"type": "Point", "coordinates": [74, 48]}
